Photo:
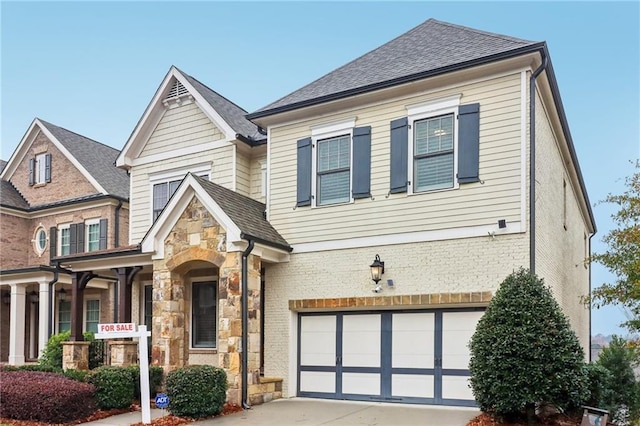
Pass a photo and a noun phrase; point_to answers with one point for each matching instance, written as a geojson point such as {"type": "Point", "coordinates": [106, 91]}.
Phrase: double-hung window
{"type": "Point", "coordinates": [204, 301]}
{"type": "Point", "coordinates": [93, 233]}
{"type": "Point", "coordinates": [334, 164]}
{"type": "Point", "coordinates": [161, 194]}
{"type": "Point", "coordinates": [64, 315]}
{"type": "Point", "coordinates": [92, 315]}
{"type": "Point", "coordinates": [65, 240]}
{"type": "Point", "coordinates": [435, 147]}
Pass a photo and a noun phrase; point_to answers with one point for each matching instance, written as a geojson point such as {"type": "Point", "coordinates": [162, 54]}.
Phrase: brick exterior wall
{"type": "Point", "coordinates": [464, 266]}
{"type": "Point", "coordinates": [66, 181]}
{"type": "Point", "coordinates": [15, 241]}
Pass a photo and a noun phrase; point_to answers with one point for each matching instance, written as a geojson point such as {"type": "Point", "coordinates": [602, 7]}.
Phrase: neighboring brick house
{"type": "Point", "coordinates": [60, 193]}
{"type": "Point", "coordinates": [444, 153]}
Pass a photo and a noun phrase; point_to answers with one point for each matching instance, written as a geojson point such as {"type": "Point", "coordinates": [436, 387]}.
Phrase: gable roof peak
{"type": "Point", "coordinates": [431, 48]}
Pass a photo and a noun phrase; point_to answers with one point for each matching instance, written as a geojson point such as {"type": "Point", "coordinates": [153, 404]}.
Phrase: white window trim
{"type": "Point", "coordinates": [84, 310]}
{"type": "Point", "coordinates": [41, 168]}
{"type": "Point", "coordinates": [36, 241]}
{"type": "Point", "coordinates": [327, 131]}
{"type": "Point", "coordinates": [166, 176]}
{"type": "Point", "coordinates": [59, 239]}
{"type": "Point", "coordinates": [88, 223]}
{"type": "Point", "coordinates": [425, 110]}
{"type": "Point", "coordinates": [204, 280]}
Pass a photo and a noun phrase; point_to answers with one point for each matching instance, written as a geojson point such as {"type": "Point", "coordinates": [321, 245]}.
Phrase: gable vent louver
{"type": "Point", "coordinates": [177, 95]}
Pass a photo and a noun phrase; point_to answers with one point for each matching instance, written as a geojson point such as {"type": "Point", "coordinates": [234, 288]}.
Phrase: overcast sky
{"type": "Point", "coordinates": [92, 67]}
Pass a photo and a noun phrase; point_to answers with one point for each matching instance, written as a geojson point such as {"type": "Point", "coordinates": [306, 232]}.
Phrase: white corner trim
{"type": "Point", "coordinates": [434, 105]}
{"type": "Point", "coordinates": [523, 150]}
{"type": "Point", "coordinates": [234, 168]}
{"type": "Point", "coordinates": [332, 127]}
{"type": "Point", "coordinates": [268, 196]}
{"type": "Point", "coordinates": [487, 231]}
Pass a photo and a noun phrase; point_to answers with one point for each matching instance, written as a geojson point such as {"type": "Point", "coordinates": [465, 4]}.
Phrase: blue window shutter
{"type": "Point", "coordinates": [32, 171]}
{"type": "Point", "coordinates": [103, 234]}
{"type": "Point", "coordinates": [73, 238]}
{"type": "Point", "coordinates": [53, 233]}
{"type": "Point", "coordinates": [362, 162]}
{"type": "Point", "coordinates": [80, 240]}
{"type": "Point", "coordinates": [399, 152]}
{"type": "Point", "coordinates": [469, 143]}
{"type": "Point", "coordinates": [47, 168]}
{"type": "Point", "coordinates": [304, 173]}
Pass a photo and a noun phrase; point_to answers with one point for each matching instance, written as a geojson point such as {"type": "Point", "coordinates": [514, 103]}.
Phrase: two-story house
{"type": "Point", "coordinates": [60, 194]}
{"type": "Point", "coordinates": [343, 241]}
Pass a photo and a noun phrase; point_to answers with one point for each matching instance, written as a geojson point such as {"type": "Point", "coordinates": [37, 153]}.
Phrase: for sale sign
{"type": "Point", "coordinates": [120, 327]}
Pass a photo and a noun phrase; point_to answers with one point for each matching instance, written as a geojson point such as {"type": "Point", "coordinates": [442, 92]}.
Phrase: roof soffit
{"type": "Point", "coordinates": [155, 111]}
{"type": "Point", "coordinates": [23, 148]}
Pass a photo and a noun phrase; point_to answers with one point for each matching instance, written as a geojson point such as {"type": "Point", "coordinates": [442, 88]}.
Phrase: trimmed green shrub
{"type": "Point", "coordinates": [598, 379]}
{"type": "Point", "coordinates": [114, 386]}
{"type": "Point", "coordinates": [196, 391]}
{"type": "Point", "coordinates": [524, 352]}
{"type": "Point", "coordinates": [77, 375]}
{"type": "Point", "coordinates": [44, 397]}
{"type": "Point", "coordinates": [617, 358]}
{"type": "Point", "coordinates": [156, 375]}
{"type": "Point", "coordinates": [32, 367]}
{"type": "Point", "coordinates": [52, 354]}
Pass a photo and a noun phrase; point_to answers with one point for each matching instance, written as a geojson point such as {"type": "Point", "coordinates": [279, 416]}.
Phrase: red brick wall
{"type": "Point", "coordinates": [15, 241]}
{"type": "Point", "coordinates": [66, 180]}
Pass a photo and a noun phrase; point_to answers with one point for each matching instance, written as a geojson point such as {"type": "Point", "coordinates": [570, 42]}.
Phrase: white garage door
{"type": "Point", "coordinates": [414, 356]}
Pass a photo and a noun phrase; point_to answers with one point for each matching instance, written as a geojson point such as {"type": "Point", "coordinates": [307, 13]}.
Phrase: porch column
{"type": "Point", "coordinates": [125, 280]}
{"type": "Point", "coordinates": [17, 321]}
{"type": "Point", "coordinates": [43, 316]}
{"type": "Point", "coordinates": [79, 281]}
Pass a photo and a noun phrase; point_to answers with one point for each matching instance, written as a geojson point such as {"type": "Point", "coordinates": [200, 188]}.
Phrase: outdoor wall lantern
{"type": "Point", "coordinates": [377, 269]}
{"type": "Point", "coordinates": [6, 298]}
{"type": "Point", "coordinates": [33, 296]}
{"type": "Point", "coordinates": [62, 294]}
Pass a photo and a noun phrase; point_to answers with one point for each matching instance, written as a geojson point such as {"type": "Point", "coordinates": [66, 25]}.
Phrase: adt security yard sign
{"type": "Point", "coordinates": [125, 330]}
{"type": "Point", "coordinates": [162, 400]}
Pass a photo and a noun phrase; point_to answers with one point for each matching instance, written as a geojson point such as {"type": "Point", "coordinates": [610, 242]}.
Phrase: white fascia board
{"type": "Point", "coordinates": [20, 151]}
{"type": "Point", "coordinates": [26, 277]}
{"type": "Point", "coordinates": [208, 110]}
{"type": "Point", "coordinates": [486, 231]}
{"type": "Point", "coordinates": [14, 212]}
{"type": "Point", "coordinates": [153, 242]}
{"type": "Point", "coordinates": [103, 266]}
{"type": "Point", "coordinates": [128, 151]}
{"type": "Point", "coordinates": [265, 252]}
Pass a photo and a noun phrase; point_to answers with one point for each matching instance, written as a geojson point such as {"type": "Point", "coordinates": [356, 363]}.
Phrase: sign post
{"type": "Point", "coordinates": [123, 331]}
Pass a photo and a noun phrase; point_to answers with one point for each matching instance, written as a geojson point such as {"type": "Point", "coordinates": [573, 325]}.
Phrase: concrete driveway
{"type": "Point", "coordinates": [307, 412]}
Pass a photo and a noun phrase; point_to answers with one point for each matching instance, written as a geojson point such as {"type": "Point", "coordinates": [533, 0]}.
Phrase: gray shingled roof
{"type": "Point", "coordinates": [2, 164]}
{"type": "Point", "coordinates": [245, 212]}
{"type": "Point", "coordinates": [430, 46]}
{"type": "Point", "coordinates": [9, 195]}
{"type": "Point", "coordinates": [230, 112]}
{"type": "Point", "coordinates": [98, 159]}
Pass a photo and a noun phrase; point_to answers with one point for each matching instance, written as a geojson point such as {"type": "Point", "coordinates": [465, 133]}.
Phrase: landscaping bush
{"type": "Point", "coordinates": [156, 375]}
{"type": "Point", "coordinates": [196, 391]}
{"type": "Point", "coordinates": [114, 386]}
{"type": "Point", "coordinates": [598, 380]}
{"type": "Point", "coordinates": [617, 358]}
{"type": "Point", "coordinates": [44, 397]}
{"type": "Point", "coordinates": [78, 375]}
{"type": "Point", "coordinates": [96, 350]}
{"type": "Point", "coordinates": [32, 367]}
{"type": "Point", "coordinates": [524, 352]}
{"type": "Point", "coordinates": [52, 354]}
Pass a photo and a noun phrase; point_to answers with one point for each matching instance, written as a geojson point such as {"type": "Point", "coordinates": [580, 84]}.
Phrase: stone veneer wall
{"type": "Point", "coordinates": [198, 237]}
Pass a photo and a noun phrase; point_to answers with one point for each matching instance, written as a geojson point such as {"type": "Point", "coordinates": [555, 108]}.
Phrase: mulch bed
{"type": "Point", "coordinates": [169, 420]}
{"type": "Point", "coordinates": [485, 419]}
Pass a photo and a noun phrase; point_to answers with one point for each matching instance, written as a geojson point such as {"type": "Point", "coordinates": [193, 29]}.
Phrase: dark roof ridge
{"type": "Point", "coordinates": [46, 123]}
{"type": "Point", "coordinates": [218, 93]}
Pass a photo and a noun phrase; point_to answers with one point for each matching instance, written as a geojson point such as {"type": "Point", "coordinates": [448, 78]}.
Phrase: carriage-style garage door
{"type": "Point", "coordinates": [410, 356]}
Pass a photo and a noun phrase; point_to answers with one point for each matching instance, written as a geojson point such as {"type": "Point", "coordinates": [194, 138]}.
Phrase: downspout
{"type": "Point", "coordinates": [116, 225]}
{"type": "Point", "coordinates": [245, 323]}
{"type": "Point", "coordinates": [532, 162]}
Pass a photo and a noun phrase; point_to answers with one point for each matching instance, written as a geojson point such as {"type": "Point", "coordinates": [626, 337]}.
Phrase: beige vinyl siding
{"type": "Point", "coordinates": [141, 190]}
{"type": "Point", "coordinates": [560, 253]}
{"type": "Point", "coordinates": [256, 177]}
{"type": "Point", "coordinates": [243, 175]}
{"type": "Point", "coordinates": [181, 127]}
{"type": "Point", "coordinates": [498, 197]}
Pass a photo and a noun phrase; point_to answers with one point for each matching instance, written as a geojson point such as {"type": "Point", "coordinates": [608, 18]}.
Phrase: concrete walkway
{"type": "Point", "coordinates": [315, 412]}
